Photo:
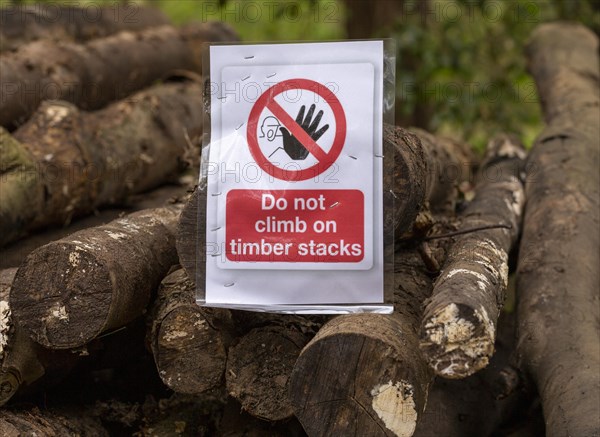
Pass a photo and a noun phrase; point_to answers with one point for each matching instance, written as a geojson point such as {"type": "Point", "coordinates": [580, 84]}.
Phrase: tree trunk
{"type": "Point", "coordinates": [63, 162]}
{"type": "Point", "coordinates": [34, 422]}
{"type": "Point", "coordinates": [91, 75]}
{"type": "Point", "coordinates": [371, 19]}
{"type": "Point", "coordinates": [459, 326]}
{"type": "Point", "coordinates": [21, 24]}
{"type": "Point", "coordinates": [68, 292]}
{"type": "Point", "coordinates": [558, 276]}
{"type": "Point", "coordinates": [189, 343]}
{"type": "Point", "coordinates": [363, 374]}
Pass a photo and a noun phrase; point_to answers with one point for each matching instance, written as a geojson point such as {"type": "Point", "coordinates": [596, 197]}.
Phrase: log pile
{"type": "Point", "coordinates": [100, 332]}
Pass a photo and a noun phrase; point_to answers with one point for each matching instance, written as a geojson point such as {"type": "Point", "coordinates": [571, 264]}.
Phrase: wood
{"type": "Point", "coordinates": [65, 163]}
{"type": "Point", "coordinates": [426, 174]}
{"type": "Point", "coordinates": [18, 360]}
{"type": "Point", "coordinates": [68, 292]}
{"type": "Point", "coordinates": [20, 24]}
{"type": "Point", "coordinates": [14, 254]}
{"type": "Point", "coordinates": [558, 276]}
{"type": "Point", "coordinates": [189, 343]}
{"type": "Point", "coordinates": [93, 74]}
{"type": "Point", "coordinates": [35, 422]}
{"type": "Point", "coordinates": [363, 374]}
{"type": "Point", "coordinates": [459, 325]}
{"type": "Point", "coordinates": [259, 368]}
{"type": "Point", "coordinates": [370, 20]}
{"type": "Point", "coordinates": [191, 237]}
{"type": "Point", "coordinates": [481, 404]}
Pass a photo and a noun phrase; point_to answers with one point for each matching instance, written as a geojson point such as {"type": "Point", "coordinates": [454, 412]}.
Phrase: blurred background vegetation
{"type": "Point", "coordinates": [460, 64]}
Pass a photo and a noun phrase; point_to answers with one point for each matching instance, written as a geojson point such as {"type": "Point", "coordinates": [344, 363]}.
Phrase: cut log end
{"type": "Point", "coordinates": [457, 340]}
{"type": "Point", "coordinates": [52, 308]}
{"type": "Point", "coordinates": [258, 370]}
{"type": "Point", "coordinates": [335, 387]}
{"type": "Point", "coordinates": [182, 332]}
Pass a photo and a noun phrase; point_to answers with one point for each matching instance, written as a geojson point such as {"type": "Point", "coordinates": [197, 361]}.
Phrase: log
{"type": "Point", "coordinates": [18, 360]}
{"type": "Point", "coordinates": [189, 343]}
{"type": "Point", "coordinates": [558, 276]}
{"type": "Point", "coordinates": [363, 374]}
{"type": "Point", "coordinates": [459, 325]}
{"type": "Point", "coordinates": [259, 368]}
{"type": "Point", "coordinates": [480, 404]}
{"type": "Point", "coordinates": [92, 74]}
{"type": "Point", "coordinates": [426, 174]}
{"type": "Point", "coordinates": [26, 368]}
{"type": "Point", "coordinates": [14, 254]}
{"type": "Point", "coordinates": [64, 163]}
{"type": "Point", "coordinates": [20, 24]}
{"type": "Point", "coordinates": [68, 292]}
{"type": "Point", "coordinates": [36, 422]}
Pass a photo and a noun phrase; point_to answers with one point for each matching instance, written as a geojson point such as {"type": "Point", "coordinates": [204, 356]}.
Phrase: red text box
{"type": "Point", "coordinates": [292, 226]}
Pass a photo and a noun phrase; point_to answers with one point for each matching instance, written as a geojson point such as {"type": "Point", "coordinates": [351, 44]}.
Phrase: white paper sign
{"type": "Point", "coordinates": [294, 176]}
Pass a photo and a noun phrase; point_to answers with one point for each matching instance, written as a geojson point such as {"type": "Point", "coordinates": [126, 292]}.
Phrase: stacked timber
{"type": "Point", "coordinates": [100, 330]}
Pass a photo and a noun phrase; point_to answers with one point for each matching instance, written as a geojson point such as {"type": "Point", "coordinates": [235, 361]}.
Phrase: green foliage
{"type": "Point", "coordinates": [265, 20]}
{"type": "Point", "coordinates": [461, 66]}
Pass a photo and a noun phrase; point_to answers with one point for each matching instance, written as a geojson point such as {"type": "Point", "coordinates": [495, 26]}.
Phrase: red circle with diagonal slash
{"type": "Point", "coordinates": [325, 159]}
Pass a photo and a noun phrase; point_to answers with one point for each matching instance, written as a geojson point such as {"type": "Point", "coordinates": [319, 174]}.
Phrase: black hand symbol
{"type": "Point", "coordinates": [291, 145]}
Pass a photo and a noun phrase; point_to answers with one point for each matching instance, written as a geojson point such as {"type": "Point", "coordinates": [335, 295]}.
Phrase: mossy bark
{"type": "Point", "coordinates": [65, 163]}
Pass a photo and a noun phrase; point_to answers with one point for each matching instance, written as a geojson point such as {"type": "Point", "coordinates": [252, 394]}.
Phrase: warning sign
{"type": "Point", "coordinates": [299, 136]}
{"type": "Point", "coordinates": [295, 226]}
{"type": "Point", "coordinates": [294, 175]}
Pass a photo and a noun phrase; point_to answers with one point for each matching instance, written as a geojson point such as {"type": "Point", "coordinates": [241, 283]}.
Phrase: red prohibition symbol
{"type": "Point", "coordinates": [324, 159]}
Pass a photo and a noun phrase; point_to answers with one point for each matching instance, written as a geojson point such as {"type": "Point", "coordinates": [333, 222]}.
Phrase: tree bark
{"type": "Point", "coordinates": [14, 254]}
{"type": "Point", "coordinates": [363, 374]}
{"type": "Point", "coordinates": [64, 163]}
{"type": "Point", "coordinates": [459, 326]}
{"type": "Point", "coordinates": [426, 173]}
{"type": "Point", "coordinates": [191, 237]}
{"type": "Point", "coordinates": [34, 422]}
{"type": "Point", "coordinates": [18, 360]}
{"type": "Point", "coordinates": [189, 343]}
{"type": "Point", "coordinates": [68, 292]}
{"type": "Point", "coordinates": [371, 19]}
{"type": "Point", "coordinates": [558, 276]}
{"type": "Point", "coordinates": [260, 364]}
{"type": "Point", "coordinates": [484, 404]}
{"type": "Point", "coordinates": [91, 75]}
{"type": "Point", "coordinates": [20, 24]}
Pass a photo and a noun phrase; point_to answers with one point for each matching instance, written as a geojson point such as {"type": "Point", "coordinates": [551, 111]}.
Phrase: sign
{"type": "Point", "coordinates": [294, 213]}
{"type": "Point", "coordinates": [281, 117]}
{"type": "Point", "coordinates": [295, 226]}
